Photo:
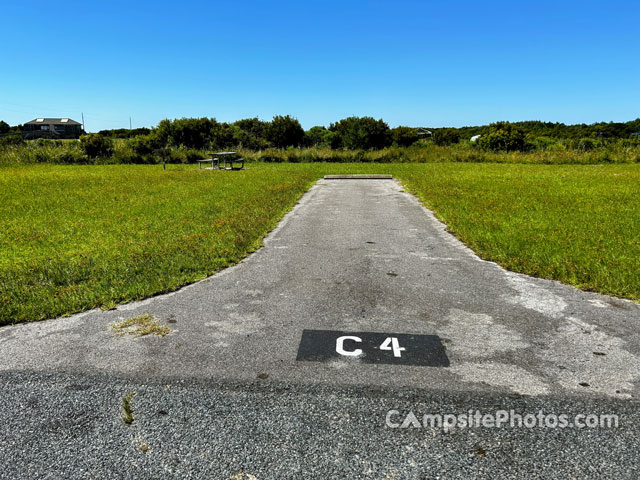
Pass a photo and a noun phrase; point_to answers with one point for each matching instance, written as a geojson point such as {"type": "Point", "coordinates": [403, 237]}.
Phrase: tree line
{"type": "Point", "coordinates": [366, 133]}
{"type": "Point", "coordinates": [358, 133]}
{"type": "Point", "coordinates": [352, 133]}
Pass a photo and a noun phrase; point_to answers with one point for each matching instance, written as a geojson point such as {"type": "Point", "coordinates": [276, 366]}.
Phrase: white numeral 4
{"type": "Point", "coordinates": [391, 343]}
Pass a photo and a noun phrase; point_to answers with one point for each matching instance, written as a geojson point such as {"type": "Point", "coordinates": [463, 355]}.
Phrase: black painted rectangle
{"type": "Point", "coordinates": [420, 350]}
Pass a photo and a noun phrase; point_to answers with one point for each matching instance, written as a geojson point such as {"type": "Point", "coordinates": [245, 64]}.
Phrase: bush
{"type": "Point", "coordinates": [503, 137]}
{"type": "Point", "coordinates": [189, 132]}
{"type": "Point", "coordinates": [243, 139]}
{"type": "Point", "coordinates": [629, 142]}
{"type": "Point", "coordinates": [318, 137]}
{"type": "Point", "coordinates": [48, 142]}
{"type": "Point", "coordinates": [125, 132]}
{"type": "Point", "coordinates": [193, 155]}
{"type": "Point", "coordinates": [285, 132]}
{"type": "Point", "coordinates": [335, 140]}
{"type": "Point", "coordinates": [11, 140]}
{"type": "Point", "coordinates": [226, 136]}
{"type": "Point", "coordinates": [95, 145]}
{"type": "Point", "coordinates": [144, 144]}
{"type": "Point", "coordinates": [271, 156]}
{"type": "Point", "coordinates": [44, 155]}
{"type": "Point", "coordinates": [252, 133]}
{"type": "Point", "coordinates": [127, 155]}
{"type": "Point", "coordinates": [404, 136]}
{"type": "Point", "coordinates": [365, 133]}
{"type": "Point", "coordinates": [444, 137]}
{"type": "Point", "coordinates": [70, 156]}
{"type": "Point", "coordinates": [587, 144]}
{"type": "Point", "coordinates": [546, 144]}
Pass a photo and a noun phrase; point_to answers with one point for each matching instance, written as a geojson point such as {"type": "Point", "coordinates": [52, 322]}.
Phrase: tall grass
{"type": "Point", "coordinates": [43, 151]}
{"type": "Point", "coordinates": [615, 152]}
{"type": "Point", "coordinates": [550, 152]}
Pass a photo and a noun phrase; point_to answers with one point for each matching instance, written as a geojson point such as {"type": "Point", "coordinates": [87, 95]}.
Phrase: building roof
{"type": "Point", "coordinates": [52, 121]}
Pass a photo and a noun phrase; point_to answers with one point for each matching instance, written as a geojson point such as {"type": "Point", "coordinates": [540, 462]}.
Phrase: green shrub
{"type": "Point", "coordinates": [503, 137]}
{"type": "Point", "coordinates": [587, 144]}
{"type": "Point", "coordinates": [444, 137]}
{"type": "Point", "coordinates": [546, 144]}
{"type": "Point", "coordinates": [70, 156]}
{"type": "Point", "coordinates": [318, 137]}
{"type": "Point", "coordinates": [189, 132]}
{"type": "Point", "coordinates": [335, 141]}
{"type": "Point", "coordinates": [42, 155]}
{"type": "Point", "coordinates": [126, 154]}
{"type": "Point", "coordinates": [361, 133]}
{"type": "Point", "coordinates": [144, 144]}
{"type": "Point", "coordinates": [251, 133]}
{"type": "Point", "coordinates": [253, 126]}
{"type": "Point", "coordinates": [125, 132]}
{"type": "Point", "coordinates": [604, 156]}
{"type": "Point", "coordinates": [95, 145]}
{"type": "Point", "coordinates": [240, 138]}
{"type": "Point", "coordinates": [48, 142]}
{"type": "Point", "coordinates": [177, 156]}
{"type": "Point", "coordinates": [404, 136]}
{"type": "Point", "coordinates": [193, 155]}
{"type": "Point", "coordinates": [285, 132]}
{"type": "Point", "coordinates": [11, 140]}
{"type": "Point", "coordinates": [271, 156]}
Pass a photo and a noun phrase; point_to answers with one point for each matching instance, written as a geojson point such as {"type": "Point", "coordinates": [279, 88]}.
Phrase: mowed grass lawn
{"type": "Point", "coordinates": [79, 237]}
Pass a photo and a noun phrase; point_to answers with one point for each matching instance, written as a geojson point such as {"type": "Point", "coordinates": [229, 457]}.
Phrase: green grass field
{"type": "Point", "coordinates": [79, 237]}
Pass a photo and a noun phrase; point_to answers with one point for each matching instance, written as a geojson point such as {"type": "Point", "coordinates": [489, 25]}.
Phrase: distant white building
{"type": "Point", "coordinates": [475, 138]}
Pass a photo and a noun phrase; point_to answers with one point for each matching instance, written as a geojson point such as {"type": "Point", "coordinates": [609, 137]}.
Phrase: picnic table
{"type": "Point", "coordinates": [223, 160]}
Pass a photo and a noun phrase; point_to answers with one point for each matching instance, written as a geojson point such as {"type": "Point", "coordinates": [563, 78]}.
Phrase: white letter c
{"type": "Point", "coordinates": [340, 346]}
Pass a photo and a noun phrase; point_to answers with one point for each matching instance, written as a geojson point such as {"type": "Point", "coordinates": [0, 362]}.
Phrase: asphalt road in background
{"type": "Point", "coordinates": [393, 313]}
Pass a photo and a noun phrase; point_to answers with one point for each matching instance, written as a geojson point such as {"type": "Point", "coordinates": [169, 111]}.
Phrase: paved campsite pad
{"type": "Point", "coordinates": [357, 258]}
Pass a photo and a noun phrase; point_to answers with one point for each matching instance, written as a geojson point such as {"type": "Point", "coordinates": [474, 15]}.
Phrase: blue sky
{"type": "Point", "coordinates": [413, 63]}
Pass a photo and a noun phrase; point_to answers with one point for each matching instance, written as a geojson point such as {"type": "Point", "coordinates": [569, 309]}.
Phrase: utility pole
{"type": "Point", "coordinates": [129, 123]}
{"type": "Point", "coordinates": [85, 130]}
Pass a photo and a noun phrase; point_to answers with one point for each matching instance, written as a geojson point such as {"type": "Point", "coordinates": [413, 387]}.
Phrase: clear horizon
{"type": "Point", "coordinates": [410, 63]}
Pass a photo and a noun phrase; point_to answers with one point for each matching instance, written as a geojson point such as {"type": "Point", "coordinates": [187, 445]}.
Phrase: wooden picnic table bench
{"type": "Point", "coordinates": [208, 160]}
{"type": "Point", "coordinates": [225, 160]}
